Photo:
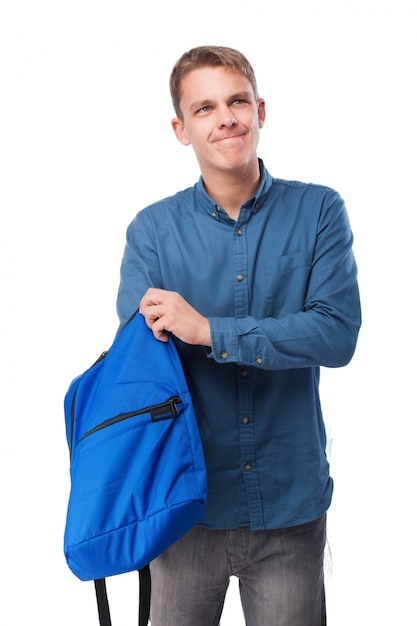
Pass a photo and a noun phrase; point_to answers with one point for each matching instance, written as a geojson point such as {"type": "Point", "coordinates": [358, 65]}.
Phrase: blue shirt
{"type": "Point", "coordinates": [279, 287]}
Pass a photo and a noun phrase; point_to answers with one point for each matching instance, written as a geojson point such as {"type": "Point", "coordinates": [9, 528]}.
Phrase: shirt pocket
{"type": "Point", "coordinates": [285, 282]}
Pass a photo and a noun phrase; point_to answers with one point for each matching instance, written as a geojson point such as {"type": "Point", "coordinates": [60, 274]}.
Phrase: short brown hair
{"type": "Point", "coordinates": [207, 56]}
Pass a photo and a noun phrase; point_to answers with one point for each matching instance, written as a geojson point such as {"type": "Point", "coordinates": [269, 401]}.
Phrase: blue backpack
{"type": "Point", "coordinates": [138, 479]}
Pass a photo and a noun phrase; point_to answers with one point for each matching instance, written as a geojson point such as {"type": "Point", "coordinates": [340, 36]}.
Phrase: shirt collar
{"type": "Point", "coordinates": [254, 203]}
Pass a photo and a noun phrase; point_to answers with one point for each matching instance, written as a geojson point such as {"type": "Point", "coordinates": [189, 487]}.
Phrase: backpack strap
{"type": "Point", "coordinates": [102, 602]}
{"type": "Point", "coordinates": [144, 595]}
{"type": "Point", "coordinates": [144, 598]}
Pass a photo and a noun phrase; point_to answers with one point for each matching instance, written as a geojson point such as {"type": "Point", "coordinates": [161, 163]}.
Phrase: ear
{"type": "Point", "coordinates": [261, 112]}
{"type": "Point", "coordinates": [179, 130]}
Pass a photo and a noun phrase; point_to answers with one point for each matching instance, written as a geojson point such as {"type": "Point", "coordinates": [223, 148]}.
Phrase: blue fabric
{"type": "Point", "coordinates": [279, 287]}
{"type": "Point", "coordinates": [138, 478]}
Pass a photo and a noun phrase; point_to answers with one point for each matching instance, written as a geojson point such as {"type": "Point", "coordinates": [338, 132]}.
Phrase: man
{"type": "Point", "coordinates": [255, 279]}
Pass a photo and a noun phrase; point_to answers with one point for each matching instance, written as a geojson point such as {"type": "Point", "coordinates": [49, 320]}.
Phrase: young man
{"type": "Point", "coordinates": [255, 279]}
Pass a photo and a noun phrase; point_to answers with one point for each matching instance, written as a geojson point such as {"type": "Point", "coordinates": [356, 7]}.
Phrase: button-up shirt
{"type": "Point", "coordinates": [279, 287]}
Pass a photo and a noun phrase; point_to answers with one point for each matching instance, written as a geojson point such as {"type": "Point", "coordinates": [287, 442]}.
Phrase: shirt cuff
{"type": "Point", "coordinates": [224, 339]}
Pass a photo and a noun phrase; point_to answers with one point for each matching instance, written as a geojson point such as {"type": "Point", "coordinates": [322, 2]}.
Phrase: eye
{"type": "Point", "coordinates": [204, 109]}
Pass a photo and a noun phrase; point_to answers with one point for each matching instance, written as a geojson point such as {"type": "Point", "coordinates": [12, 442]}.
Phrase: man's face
{"type": "Point", "coordinates": [221, 119]}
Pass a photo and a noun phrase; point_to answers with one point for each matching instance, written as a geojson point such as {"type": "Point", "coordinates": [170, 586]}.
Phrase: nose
{"type": "Point", "coordinates": [227, 120]}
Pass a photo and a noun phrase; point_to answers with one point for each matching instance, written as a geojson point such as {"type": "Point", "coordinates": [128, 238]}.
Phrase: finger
{"type": "Point", "coordinates": [153, 296]}
{"type": "Point", "coordinates": [151, 311]}
{"type": "Point", "coordinates": [161, 336]}
{"type": "Point", "coordinates": [158, 330]}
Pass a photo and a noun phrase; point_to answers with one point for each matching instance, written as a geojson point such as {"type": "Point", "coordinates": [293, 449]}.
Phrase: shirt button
{"type": "Point", "coordinates": [224, 355]}
{"type": "Point", "coordinates": [259, 360]}
{"type": "Point", "coordinates": [239, 232]}
{"type": "Point", "coordinates": [246, 420]}
{"type": "Point", "coordinates": [243, 372]}
{"type": "Point", "coordinates": [240, 277]}
{"type": "Point", "coordinates": [248, 467]}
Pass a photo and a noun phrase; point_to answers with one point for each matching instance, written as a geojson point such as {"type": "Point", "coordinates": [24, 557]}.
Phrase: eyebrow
{"type": "Point", "coordinates": [199, 104]}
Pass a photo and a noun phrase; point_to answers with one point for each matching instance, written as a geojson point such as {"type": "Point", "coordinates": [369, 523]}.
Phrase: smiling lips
{"type": "Point", "coordinates": [235, 136]}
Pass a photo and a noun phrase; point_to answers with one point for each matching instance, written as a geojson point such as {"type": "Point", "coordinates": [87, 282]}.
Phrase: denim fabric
{"type": "Point", "coordinates": [279, 288]}
{"type": "Point", "coordinates": [280, 573]}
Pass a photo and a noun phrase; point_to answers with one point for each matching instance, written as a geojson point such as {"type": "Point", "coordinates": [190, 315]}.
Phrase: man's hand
{"type": "Point", "coordinates": [167, 311]}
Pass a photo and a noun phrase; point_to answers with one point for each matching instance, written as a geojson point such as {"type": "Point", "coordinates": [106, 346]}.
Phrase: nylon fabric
{"type": "Point", "coordinates": [139, 483]}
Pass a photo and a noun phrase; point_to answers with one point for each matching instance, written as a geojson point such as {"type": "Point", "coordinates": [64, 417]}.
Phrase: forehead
{"type": "Point", "coordinates": [205, 83]}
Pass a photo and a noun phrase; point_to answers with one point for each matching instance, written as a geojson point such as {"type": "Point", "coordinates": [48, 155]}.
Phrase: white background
{"type": "Point", "coordinates": [86, 143]}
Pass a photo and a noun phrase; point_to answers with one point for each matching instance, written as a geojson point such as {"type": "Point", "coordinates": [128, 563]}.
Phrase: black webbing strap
{"type": "Point", "coordinates": [144, 595]}
{"type": "Point", "coordinates": [144, 598]}
{"type": "Point", "coordinates": [102, 602]}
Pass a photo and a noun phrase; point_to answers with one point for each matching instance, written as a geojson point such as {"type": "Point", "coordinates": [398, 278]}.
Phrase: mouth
{"type": "Point", "coordinates": [229, 138]}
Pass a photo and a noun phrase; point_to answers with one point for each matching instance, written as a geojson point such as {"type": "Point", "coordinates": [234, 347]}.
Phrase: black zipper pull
{"type": "Point", "coordinates": [166, 410]}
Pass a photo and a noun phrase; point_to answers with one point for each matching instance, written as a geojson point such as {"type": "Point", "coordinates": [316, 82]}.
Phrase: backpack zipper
{"type": "Point", "coordinates": [162, 411]}
{"type": "Point", "coordinates": [71, 435]}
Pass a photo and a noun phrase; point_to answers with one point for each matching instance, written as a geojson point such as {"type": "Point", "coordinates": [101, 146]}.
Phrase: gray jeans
{"type": "Point", "coordinates": [281, 579]}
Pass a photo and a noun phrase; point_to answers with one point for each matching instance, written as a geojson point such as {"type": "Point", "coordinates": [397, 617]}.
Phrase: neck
{"type": "Point", "coordinates": [231, 189]}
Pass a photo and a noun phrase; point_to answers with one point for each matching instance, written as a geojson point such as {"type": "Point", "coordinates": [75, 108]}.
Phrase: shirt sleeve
{"type": "Point", "coordinates": [140, 268]}
{"type": "Point", "coordinates": [324, 332]}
